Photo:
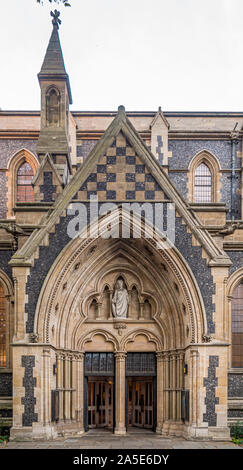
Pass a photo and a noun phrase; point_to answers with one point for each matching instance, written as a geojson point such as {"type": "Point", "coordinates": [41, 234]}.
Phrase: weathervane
{"type": "Point", "coordinates": [56, 20]}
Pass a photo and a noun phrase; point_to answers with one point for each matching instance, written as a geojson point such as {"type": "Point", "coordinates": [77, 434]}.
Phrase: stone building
{"type": "Point", "coordinates": [110, 316]}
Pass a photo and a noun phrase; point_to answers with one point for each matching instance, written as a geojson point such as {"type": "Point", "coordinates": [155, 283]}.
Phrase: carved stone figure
{"type": "Point", "coordinates": [120, 300]}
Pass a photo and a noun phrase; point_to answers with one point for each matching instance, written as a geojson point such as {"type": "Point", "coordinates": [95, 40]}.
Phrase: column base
{"type": "Point", "coordinates": [206, 433]}
{"type": "Point", "coordinates": [35, 432]}
{"type": "Point", "coordinates": [172, 428]}
{"type": "Point", "coordinates": [120, 431]}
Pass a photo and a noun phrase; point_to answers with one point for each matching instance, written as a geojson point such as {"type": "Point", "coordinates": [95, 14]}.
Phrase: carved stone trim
{"type": "Point", "coordinates": [33, 338]}
{"type": "Point", "coordinates": [206, 338]}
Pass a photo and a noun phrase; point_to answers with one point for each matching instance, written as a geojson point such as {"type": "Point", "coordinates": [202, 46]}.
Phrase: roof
{"type": "Point", "coordinates": [53, 65]}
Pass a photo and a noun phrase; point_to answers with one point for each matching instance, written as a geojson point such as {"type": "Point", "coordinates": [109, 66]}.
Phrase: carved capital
{"type": "Point", "coordinates": [120, 356]}
{"type": "Point", "coordinates": [160, 356]}
{"type": "Point", "coordinates": [79, 357]}
{"type": "Point", "coordinates": [60, 356]}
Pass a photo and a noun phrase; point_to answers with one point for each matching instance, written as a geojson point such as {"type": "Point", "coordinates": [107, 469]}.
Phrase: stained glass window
{"type": "Point", "coordinates": [25, 192]}
{"type": "Point", "coordinates": [237, 327]}
{"type": "Point", "coordinates": [3, 327]}
{"type": "Point", "coordinates": [203, 184]}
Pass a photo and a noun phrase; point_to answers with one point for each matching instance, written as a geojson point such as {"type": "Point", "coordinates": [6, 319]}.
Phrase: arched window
{"type": "Point", "coordinates": [25, 174]}
{"type": "Point", "coordinates": [237, 326]}
{"type": "Point", "coordinates": [53, 107]}
{"type": "Point", "coordinates": [3, 327]}
{"type": "Point", "coordinates": [203, 184]}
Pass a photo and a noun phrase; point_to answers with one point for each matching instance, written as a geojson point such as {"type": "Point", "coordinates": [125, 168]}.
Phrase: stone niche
{"type": "Point", "coordinates": [142, 303]}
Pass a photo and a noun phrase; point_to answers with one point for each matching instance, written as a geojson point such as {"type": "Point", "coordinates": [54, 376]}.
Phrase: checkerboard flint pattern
{"type": "Point", "coordinates": [120, 175]}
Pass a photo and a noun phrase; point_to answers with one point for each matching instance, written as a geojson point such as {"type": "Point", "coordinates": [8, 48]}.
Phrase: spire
{"type": "Point", "coordinates": [53, 65]}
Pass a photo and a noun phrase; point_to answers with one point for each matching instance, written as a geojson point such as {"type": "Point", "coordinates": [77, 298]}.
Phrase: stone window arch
{"type": "Point", "coordinates": [237, 326]}
{"type": "Point", "coordinates": [204, 179]}
{"type": "Point", "coordinates": [21, 163]}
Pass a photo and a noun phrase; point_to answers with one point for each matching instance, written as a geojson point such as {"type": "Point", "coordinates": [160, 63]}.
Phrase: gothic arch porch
{"type": "Point", "coordinates": [74, 318]}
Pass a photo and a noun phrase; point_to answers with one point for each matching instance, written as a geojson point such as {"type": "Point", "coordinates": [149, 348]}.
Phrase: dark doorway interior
{"type": "Point", "coordinates": [140, 402]}
{"type": "Point", "coordinates": [141, 390]}
{"type": "Point", "coordinates": [99, 391]}
{"type": "Point", "coordinates": [100, 402]}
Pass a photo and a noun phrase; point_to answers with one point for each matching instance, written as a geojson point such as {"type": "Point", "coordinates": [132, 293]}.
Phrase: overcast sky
{"type": "Point", "coordinates": [182, 55]}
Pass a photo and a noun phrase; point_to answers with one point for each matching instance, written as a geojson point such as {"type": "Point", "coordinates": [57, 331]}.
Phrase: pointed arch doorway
{"type": "Point", "coordinates": [164, 316]}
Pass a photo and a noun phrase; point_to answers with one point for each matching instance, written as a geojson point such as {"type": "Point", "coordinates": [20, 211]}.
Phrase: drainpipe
{"type": "Point", "coordinates": [234, 142]}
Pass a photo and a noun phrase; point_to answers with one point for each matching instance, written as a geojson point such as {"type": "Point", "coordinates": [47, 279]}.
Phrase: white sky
{"type": "Point", "coordinates": [183, 55]}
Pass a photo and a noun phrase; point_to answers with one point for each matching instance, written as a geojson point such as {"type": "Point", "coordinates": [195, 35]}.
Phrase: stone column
{"type": "Point", "coordinates": [160, 391]}
{"type": "Point", "coordinates": [20, 275]}
{"type": "Point", "coordinates": [98, 312]}
{"type": "Point", "coordinates": [120, 358]}
{"type": "Point", "coordinates": [67, 386]}
{"type": "Point", "coordinates": [110, 312]}
{"type": "Point", "coordinates": [80, 391]}
{"type": "Point", "coordinates": [180, 379]}
{"type": "Point", "coordinates": [194, 386]}
{"type": "Point", "coordinates": [141, 310]}
{"type": "Point", "coordinates": [174, 386]}
{"type": "Point", "coordinates": [46, 394]}
{"type": "Point", "coordinates": [170, 385]}
{"type": "Point", "coordinates": [15, 279]}
{"type": "Point", "coordinates": [74, 388]}
{"type": "Point", "coordinates": [167, 393]}
{"type": "Point", "coordinates": [60, 384]}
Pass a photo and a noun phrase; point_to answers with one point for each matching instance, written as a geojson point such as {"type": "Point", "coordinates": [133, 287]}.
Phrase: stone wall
{"type": "Point", "coordinates": [183, 152]}
{"type": "Point", "coordinates": [5, 257]}
{"type": "Point", "coordinates": [237, 260]}
{"type": "Point", "coordinates": [8, 147]}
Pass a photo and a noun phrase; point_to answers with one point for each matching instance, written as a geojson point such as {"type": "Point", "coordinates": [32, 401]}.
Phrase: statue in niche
{"type": "Point", "coordinates": [120, 300]}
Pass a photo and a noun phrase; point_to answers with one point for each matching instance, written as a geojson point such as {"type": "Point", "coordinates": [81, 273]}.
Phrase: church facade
{"type": "Point", "coordinates": [121, 268]}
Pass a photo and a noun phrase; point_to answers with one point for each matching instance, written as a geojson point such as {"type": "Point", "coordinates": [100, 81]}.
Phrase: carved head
{"type": "Point", "coordinates": [119, 284]}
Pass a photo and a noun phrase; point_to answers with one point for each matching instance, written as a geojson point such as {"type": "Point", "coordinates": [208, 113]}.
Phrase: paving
{"type": "Point", "coordinates": [133, 440]}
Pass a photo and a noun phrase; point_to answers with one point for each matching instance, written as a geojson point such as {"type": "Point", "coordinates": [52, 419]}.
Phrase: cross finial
{"type": "Point", "coordinates": [56, 20]}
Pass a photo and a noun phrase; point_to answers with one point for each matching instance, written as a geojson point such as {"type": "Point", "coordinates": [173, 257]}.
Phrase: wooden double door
{"type": "Point", "coordinates": [100, 402]}
{"type": "Point", "coordinates": [140, 402]}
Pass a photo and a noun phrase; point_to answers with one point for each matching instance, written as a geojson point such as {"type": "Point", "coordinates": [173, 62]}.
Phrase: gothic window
{"type": "Point", "coordinates": [203, 184]}
{"type": "Point", "coordinates": [52, 106]}
{"type": "Point", "coordinates": [3, 327]}
{"type": "Point", "coordinates": [25, 192]}
{"type": "Point", "coordinates": [237, 326]}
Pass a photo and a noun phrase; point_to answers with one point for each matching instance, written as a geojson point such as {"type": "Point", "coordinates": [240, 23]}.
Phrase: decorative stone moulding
{"type": "Point", "coordinates": [119, 326]}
